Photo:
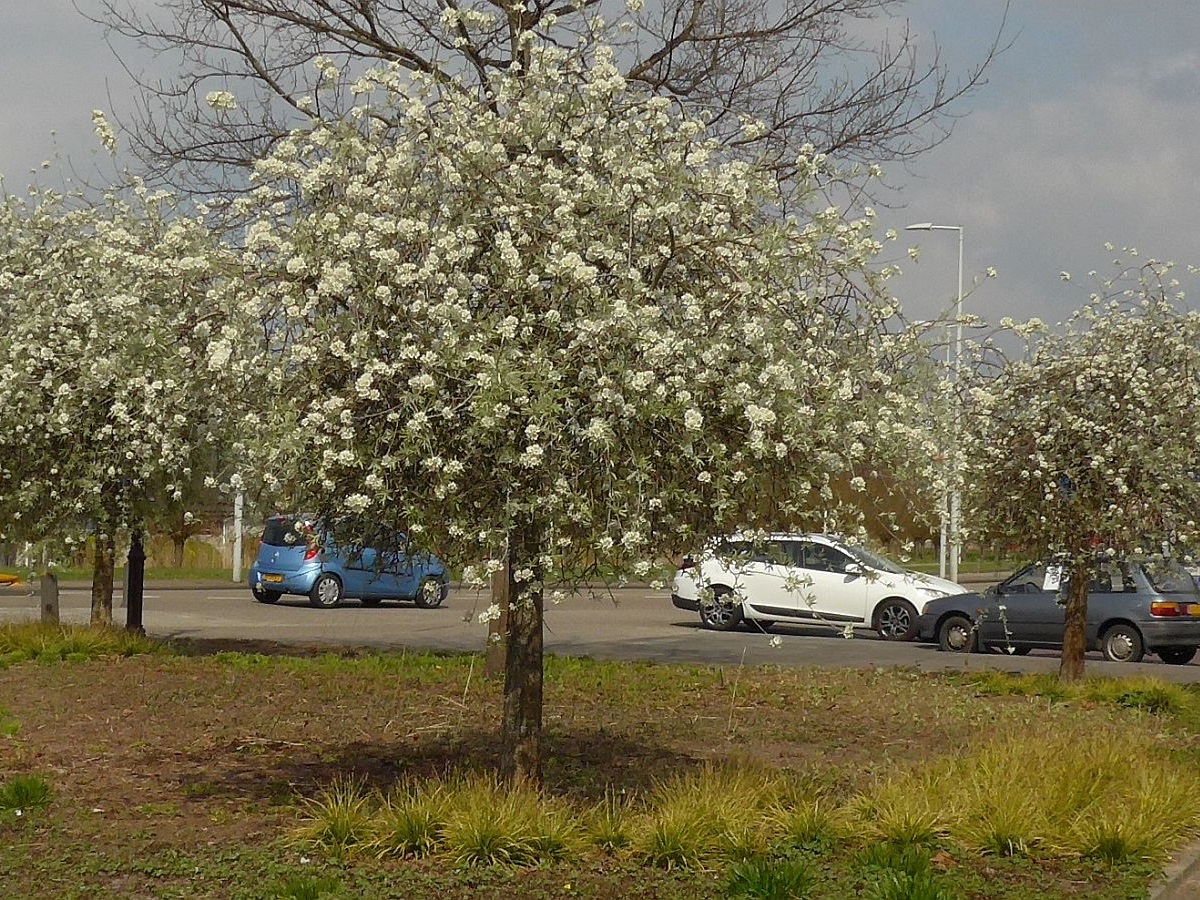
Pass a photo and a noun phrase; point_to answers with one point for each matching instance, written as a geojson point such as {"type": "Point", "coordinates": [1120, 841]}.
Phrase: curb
{"type": "Point", "coordinates": [1181, 878]}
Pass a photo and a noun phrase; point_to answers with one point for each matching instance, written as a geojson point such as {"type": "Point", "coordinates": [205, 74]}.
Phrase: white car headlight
{"type": "Point", "coordinates": [932, 593]}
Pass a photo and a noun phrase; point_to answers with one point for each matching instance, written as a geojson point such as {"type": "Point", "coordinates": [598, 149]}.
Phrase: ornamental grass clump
{"type": "Point", "coordinates": [714, 814]}
{"type": "Point", "coordinates": [908, 809]}
{"type": "Point", "coordinates": [610, 823]}
{"type": "Point", "coordinates": [813, 825]}
{"type": "Point", "coordinates": [492, 822]}
{"type": "Point", "coordinates": [338, 819]}
{"type": "Point", "coordinates": [410, 821]}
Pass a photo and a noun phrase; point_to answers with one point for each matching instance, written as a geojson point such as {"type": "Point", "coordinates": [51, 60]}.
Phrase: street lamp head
{"type": "Point", "coordinates": [930, 226]}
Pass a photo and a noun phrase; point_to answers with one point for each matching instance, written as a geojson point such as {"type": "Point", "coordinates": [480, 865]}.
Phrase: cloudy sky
{"type": "Point", "coordinates": [1087, 132]}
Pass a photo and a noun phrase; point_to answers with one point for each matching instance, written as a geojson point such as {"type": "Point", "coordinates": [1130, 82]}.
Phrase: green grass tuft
{"type": "Point", "coordinates": [410, 822]}
{"type": "Point", "coordinates": [760, 878]}
{"type": "Point", "coordinates": [307, 887]}
{"type": "Point", "coordinates": [338, 819]}
{"type": "Point", "coordinates": [910, 886]}
{"type": "Point", "coordinates": [717, 813]}
{"type": "Point", "coordinates": [24, 792]}
{"type": "Point", "coordinates": [490, 822]}
{"type": "Point", "coordinates": [610, 825]}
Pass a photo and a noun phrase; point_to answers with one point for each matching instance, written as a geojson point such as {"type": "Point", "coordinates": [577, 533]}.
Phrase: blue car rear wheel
{"type": "Point", "coordinates": [326, 592]}
{"type": "Point", "coordinates": [431, 593]}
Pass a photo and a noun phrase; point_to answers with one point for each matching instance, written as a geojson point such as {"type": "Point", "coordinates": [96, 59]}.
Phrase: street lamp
{"type": "Point", "coordinates": [950, 527]}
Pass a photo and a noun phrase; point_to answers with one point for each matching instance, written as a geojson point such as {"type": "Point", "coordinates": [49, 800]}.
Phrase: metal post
{"type": "Point", "coordinates": [135, 568]}
{"type": "Point", "coordinates": [239, 503]}
{"type": "Point", "coordinates": [951, 500]}
{"type": "Point", "coordinates": [956, 496]}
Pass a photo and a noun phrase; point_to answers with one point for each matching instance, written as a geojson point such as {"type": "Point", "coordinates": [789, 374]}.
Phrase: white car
{"type": "Point", "coordinates": [804, 578]}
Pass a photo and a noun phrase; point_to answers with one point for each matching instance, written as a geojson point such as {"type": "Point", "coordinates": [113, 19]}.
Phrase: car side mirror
{"type": "Point", "coordinates": [853, 569]}
{"type": "Point", "coordinates": [993, 590]}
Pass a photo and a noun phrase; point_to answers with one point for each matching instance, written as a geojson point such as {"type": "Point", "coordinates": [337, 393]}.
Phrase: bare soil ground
{"type": "Point", "coordinates": [179, 775]}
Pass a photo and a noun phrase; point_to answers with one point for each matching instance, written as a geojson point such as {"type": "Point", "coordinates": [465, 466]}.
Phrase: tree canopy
{"type": "Point", "coordinates": [846, 76]}
{"type": "Point", "coordinates": [1089, 443]}
{"type": "Point", "coordinates": [110, 311]}
{"type": "Point", "coordinates": [555, 326]}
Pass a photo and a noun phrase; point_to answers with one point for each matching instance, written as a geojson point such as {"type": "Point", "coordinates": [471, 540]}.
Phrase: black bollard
{"type": "Point", "coordinates": [135, 576]}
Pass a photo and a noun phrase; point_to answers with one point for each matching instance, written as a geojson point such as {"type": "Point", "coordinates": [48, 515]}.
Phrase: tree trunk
{"type": "Point", "coordinates": [179, 541]}
{"type": "Point", "coordinates": [497, 640]}
{"type": "Point", "coordinates": [521, 749]}
{"type": "Point", "coordinates": [1070, 667]}
{"type": "Point", "coordinates": [102, 579]}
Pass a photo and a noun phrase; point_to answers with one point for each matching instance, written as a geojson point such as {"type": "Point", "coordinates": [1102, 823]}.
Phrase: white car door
{"type": "Point", "coordinates": [834, 595]}
{"type": "Point", "coordinates": [765, 577]}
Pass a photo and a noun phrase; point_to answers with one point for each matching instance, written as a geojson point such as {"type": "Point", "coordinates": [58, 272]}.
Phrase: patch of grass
{"type": "Point", "coordinates": [24, 792]}
{"type": "Point", "coordinates": [720, 812]}
{"type": "Point", "coordinates": [911, 886]}
{"type": "Point", "coordinates": [410, 821]}
{"type": "Point", "coordinates": [307, 887]}
{"type": "Point", "coordinates": [991, 682]}
{"type": "Point", "coordinates": [610, 824]}
{"type": "Point", "coordinates": [1074, 791]}
{"type": "Point", "coordinates": [9, 727]}
{"type": "Point", "coordinates": [419, 667]}
{"type": "Point", "coordinates": [1150, 695]}
{"type": "Point", "coordinates": [888, 856]}
{"type": "Point", "coordinates": [337, 819]}
{"type": "Point", "coordinates": [490, 822]}
{"type": "Point", "coordinates": [1147, 694]}
{"type": "Point", "coordinates": [54, 643]}
{"type": "Point", "coordinates": [761, 878]}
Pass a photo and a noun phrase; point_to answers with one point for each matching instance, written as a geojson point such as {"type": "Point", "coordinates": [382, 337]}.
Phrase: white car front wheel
{"type": "Point", "coordinates": [896, 620]}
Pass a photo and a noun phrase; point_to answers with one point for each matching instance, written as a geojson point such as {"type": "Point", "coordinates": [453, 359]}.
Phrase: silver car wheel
{"type": "Point", "coordinates": [897, 621]}
{"type": "Point", "coordinates": [958, 637]}
{"type": "Point", "coordinates": [1121, 643]}
{"type": "Point", "coordinates": [326, 592]}
{"type": "Point", "coordinates": [723, 612]}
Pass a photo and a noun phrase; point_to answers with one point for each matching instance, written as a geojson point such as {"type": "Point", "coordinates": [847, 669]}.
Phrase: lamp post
{"type": "Point", "coordinates": [950, 520]}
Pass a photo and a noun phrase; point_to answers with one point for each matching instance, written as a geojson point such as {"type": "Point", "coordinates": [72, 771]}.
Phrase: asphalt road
{"type": "Point", "coordinates": [627, 623]}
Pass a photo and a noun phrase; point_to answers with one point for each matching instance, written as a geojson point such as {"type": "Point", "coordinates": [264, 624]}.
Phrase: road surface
{"type": "Point", "coordinates": [626, 623]}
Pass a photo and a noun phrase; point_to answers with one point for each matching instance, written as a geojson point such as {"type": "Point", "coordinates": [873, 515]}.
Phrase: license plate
{"type": "Point", "coordinates": [275, 579]}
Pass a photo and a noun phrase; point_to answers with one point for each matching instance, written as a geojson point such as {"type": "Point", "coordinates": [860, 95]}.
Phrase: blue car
{"type": "Point", "coordinates": [300, 555]}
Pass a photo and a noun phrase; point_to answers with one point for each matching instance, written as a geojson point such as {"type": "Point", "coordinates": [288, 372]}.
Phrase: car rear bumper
{"type": "Point", "coordinates": [1181, 632]}
{"type": "Point", "coordinates": [288, 582]}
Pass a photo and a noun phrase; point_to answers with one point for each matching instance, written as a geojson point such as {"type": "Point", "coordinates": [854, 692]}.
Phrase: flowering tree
{"type": "Point", "coordinates": [551, 328]}
{"type": "Point", "coordinates": [108, 314]}
{"type": "Point", "coordinates": [1090, 442]}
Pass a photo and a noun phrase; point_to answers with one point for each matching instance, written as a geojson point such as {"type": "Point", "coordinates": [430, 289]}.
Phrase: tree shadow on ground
{"type": "Point", "coordinates": [580, 764]}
